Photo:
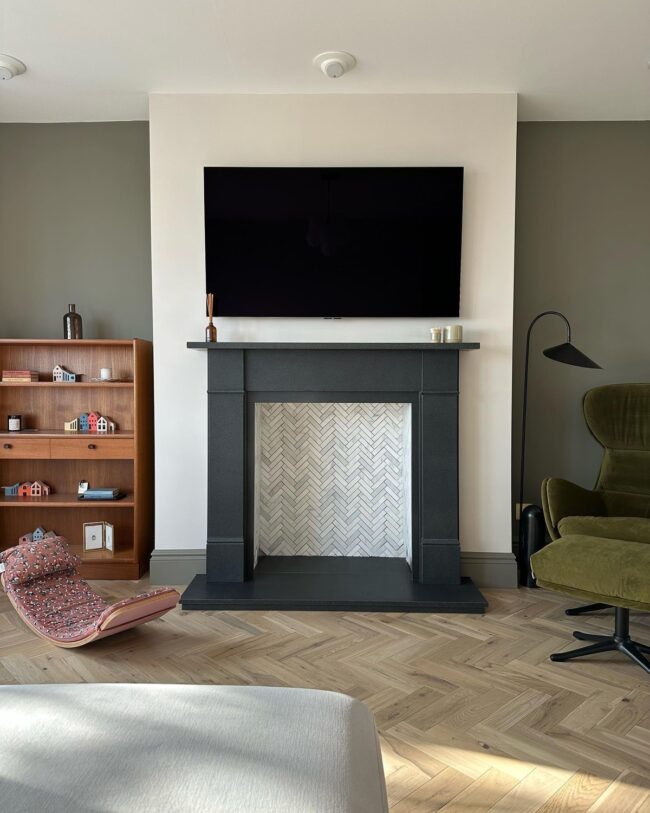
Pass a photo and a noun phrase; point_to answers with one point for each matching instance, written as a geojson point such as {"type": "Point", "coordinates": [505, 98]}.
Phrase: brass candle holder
{"type": "Point", "coordinates": [211, 330]}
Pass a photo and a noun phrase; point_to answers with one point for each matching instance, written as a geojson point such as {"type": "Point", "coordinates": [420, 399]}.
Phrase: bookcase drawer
{"type": "Point", "coordinates": [92, 447]}
{"type": "Point", "coordinates": [16, 448]}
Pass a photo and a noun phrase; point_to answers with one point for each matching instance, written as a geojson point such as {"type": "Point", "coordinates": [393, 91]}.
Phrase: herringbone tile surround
{"type": "Point", "coordinates": [473, 717]}
{"type": "Point", "coordinates": [331, 479]}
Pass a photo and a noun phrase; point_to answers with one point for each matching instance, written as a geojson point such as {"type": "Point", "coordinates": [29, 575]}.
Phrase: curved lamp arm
{"type": "Point", "coordinates": [525, 404]}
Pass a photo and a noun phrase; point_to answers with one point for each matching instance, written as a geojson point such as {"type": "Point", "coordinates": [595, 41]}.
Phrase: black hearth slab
{"type": "Point", "coordinates": [354, 584]}
{"type": "Point", "coordinates": [332, 346]}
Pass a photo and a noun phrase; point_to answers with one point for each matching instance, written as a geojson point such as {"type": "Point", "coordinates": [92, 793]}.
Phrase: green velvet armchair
{"type": "Point", "coordinates": [618, 416]}
{"type": "Point", "coordinates": [601, 538]}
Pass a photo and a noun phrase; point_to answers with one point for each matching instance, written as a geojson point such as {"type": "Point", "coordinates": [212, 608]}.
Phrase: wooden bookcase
{"type": "Point", "coordinates": [44, 451]}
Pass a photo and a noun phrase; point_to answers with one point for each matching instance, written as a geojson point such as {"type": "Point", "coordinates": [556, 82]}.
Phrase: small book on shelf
{"type": "Point", "coordinates": [101, 494]}
{"type": "Point", "coordinates": [19, 376]}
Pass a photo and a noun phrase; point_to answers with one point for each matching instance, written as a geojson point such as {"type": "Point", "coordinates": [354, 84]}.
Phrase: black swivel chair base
{"type": "Point", "coordinates": [620, 641]}
{"type": "Point", "coordinates": [588, 608]}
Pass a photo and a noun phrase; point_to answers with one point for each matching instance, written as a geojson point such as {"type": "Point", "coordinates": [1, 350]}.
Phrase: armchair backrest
{"type": "Point", "coordinates": [618, 416]}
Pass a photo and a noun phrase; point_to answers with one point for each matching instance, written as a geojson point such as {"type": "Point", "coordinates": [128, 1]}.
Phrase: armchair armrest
{"type": "Point", "coordinates": [561, 498]}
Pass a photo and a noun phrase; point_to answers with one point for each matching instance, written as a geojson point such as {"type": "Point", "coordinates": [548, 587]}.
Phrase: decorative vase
{"type": "Point", "coordinates": [72, 324]}
{"type": "Point", "coordinates": [211, 330]}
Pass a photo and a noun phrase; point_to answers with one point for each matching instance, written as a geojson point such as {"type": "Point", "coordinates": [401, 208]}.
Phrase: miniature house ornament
{"type": "Point", "coordinates": [36, 535]}
{"type": "Point", "coordinates": [61, 375]}
{"type": "Point", "coordinates": [40, 489]}
{"type": "Point", "coordinates": [28, 489]}
{"type": "Point", "coordinates": [90, 422]}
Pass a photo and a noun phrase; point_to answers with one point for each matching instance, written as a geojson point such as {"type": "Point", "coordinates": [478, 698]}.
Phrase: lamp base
{"type": "Point", "coordinates": [532, 537]}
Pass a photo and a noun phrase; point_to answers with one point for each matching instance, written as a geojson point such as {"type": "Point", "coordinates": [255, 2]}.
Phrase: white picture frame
{"type": "Point", "coordinates": [108, 536]}
{"type": "Point", "coordinates": [98, 536]}
{"type": "Point", "coordinates": [93, 536]}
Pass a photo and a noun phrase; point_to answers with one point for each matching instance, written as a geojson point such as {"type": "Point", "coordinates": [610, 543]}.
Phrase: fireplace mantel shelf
{"type": "Point", "coordinates": [332, 346]}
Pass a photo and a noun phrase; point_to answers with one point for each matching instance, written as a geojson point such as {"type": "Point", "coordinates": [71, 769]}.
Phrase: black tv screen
{"type": "Point", "coordinates": [383, 242]}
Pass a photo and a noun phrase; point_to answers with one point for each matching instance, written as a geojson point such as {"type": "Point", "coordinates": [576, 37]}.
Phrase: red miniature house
{"type": "Point", "coordinates": [93, 417]}
{"type": "Point", "coordinates": [25, 490]}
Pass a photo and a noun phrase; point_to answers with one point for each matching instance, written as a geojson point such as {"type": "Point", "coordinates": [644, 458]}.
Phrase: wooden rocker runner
{"type": "Point", "coordinates": [43, 584]}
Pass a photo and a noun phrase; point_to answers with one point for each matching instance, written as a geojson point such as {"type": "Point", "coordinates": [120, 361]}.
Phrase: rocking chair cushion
{"type": "Point", "coordinates": [33, 560]}
{"type": "Point", "coordinates": [60, 606]}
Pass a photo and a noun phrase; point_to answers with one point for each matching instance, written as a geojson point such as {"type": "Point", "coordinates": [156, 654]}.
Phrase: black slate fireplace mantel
{"type": "Point", "coordinates": [424, 375]}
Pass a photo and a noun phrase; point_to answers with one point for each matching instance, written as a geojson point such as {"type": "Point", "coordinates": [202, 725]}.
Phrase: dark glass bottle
{"type": "Point", "coordinates": [72, 324]}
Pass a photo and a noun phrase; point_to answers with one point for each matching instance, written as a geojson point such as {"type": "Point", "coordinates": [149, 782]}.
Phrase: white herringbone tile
{"type": "Point", "coordinates": [332, 479]}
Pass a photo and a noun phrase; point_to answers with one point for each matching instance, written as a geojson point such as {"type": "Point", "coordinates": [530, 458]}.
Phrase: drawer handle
{"type": "Point", "coordinates": [92, 446]}
{"type": "Point", "coordinates": [7, 446]}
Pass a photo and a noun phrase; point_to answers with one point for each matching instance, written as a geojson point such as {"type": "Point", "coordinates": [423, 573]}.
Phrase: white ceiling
{"type": "Point", "coordinates": [89, 60]}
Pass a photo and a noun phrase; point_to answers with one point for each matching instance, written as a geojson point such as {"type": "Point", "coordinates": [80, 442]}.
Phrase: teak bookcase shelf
{"type": "Point", "coordinates": [43, 451]}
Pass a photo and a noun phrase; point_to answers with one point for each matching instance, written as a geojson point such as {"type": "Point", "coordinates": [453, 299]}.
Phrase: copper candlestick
{"type": "Point", "coordinates": [211, 330]}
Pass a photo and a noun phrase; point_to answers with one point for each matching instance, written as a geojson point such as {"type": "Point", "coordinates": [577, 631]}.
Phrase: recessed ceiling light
{"type": "Point", "coordinates": [10, 67]}
{"type": "Point", "coordinates": [335, 63]}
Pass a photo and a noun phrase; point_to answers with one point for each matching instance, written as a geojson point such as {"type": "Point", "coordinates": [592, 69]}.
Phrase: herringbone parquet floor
{"type": "Point", "coordinates": [472, 715]}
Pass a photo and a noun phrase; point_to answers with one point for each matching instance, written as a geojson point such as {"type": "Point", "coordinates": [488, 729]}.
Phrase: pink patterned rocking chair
{"type": "Point", "coordinates": [44, 586]}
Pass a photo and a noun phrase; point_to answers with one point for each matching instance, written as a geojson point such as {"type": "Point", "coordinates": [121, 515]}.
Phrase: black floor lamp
{"type": "Point", "coordinates": [531, 522]}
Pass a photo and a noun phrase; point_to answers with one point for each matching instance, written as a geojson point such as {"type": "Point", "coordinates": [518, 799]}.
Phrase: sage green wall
{"type": "Point", "coordinates": [75, 227]}
{"type": "Point", "coordinates": [583, 248]}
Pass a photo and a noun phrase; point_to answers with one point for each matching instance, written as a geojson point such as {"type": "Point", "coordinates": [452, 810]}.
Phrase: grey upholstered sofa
{"type": "Point", "coordinates": [224, 749]}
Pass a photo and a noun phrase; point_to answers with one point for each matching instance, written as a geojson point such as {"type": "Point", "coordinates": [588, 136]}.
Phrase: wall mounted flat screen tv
{"type": "Point", "coordinates": [355, 242]}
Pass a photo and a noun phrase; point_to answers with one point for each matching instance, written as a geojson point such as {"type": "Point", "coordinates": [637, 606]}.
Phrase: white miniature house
{"type": "Point", "coordinates": [102, 424]}
{"type": "Point", "coordinates": [59, 374]}
{"type": "Point", "coordinates": [71, 426]}
{"type": "Point", "coordinates": [39, 489]}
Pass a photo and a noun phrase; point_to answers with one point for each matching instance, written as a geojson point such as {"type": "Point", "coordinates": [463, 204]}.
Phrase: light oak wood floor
{"type": "Point", "coordinates": [473, 716]}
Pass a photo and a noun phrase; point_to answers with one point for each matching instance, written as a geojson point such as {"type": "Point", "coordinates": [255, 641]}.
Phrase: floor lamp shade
{"type": "Point", "coordinates": [568, 353]}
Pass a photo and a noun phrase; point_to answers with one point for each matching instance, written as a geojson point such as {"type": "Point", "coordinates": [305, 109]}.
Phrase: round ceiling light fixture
{"type": "Point", "coordinates": [10, 67]}
{"type": "Point", "coordinates": [335, 63]}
